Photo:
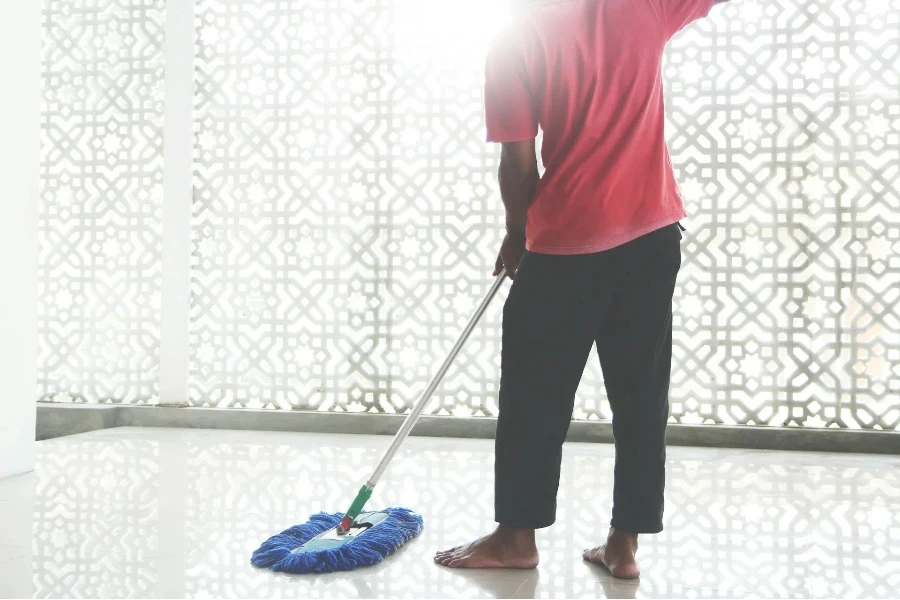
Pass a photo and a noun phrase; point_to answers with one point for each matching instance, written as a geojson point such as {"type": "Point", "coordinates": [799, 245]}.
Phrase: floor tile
{"type": "Point", "coordinates": [142, 512]}
{"type": "Point", "coordinates": [601, 585]}
{"type": "Point", "coordinates": [8, 553]}
{"type": "Point", "coordinates": [16, 516]}
{"type": "Point", "coordinates": [17, 486]}
{"type": "Point", "coordinates": [15, 578]}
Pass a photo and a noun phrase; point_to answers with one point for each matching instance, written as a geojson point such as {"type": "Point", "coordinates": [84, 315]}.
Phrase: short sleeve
{"type": "Point", "coordinates": [510, 110]}
{"type": "Point", "coordinates": [681, 13]}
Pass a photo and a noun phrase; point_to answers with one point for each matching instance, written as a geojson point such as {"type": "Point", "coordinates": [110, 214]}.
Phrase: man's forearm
{"type": "Point", "coordinates": [517, 187]}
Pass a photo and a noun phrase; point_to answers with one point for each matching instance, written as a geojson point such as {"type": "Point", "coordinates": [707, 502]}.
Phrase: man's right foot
{"type": "Point", "coordinates": [506, 547]}
{"type": "Point", "coordinates": [617, 555]}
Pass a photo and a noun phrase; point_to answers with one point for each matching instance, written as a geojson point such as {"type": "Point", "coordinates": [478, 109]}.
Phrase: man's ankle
{"type": "Point", "coordinates": [516, 534]}
{"type": "Point", "coordinates": [617, 535]}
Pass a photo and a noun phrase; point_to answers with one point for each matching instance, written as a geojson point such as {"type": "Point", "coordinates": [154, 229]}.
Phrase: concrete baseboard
{"type": "Point", "coordinates": [56, 420]}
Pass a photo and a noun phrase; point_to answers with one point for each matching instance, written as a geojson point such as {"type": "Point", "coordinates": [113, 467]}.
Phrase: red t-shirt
{"type": "Point", "coordinates": [589, 72]}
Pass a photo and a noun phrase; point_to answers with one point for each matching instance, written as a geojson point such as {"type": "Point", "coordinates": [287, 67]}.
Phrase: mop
{"type": "Point", "coordinates": [331, 542]}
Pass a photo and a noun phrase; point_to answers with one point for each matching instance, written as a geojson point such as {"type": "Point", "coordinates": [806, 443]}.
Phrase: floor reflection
{"type": "Point", "coordinates": [176, 513]}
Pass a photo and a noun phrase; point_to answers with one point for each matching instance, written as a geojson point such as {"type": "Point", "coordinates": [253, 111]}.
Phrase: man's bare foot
{"type": "Point", "coordinates": [617, 555]}
{"type": "Point", "coordinates": [507, 547]}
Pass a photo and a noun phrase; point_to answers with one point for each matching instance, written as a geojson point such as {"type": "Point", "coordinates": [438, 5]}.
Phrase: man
{"type": "Point", "coordinates": [602, 233]}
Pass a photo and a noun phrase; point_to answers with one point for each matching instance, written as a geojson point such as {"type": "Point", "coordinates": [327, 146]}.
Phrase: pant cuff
{"type": "Point", "coordinates": [636, 525]}
{"type": "Point", "coordinates": [523, 522]}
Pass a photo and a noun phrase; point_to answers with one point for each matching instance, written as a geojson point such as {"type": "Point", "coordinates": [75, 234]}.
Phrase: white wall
{"type": "Point", "coordinates": [20, 47]}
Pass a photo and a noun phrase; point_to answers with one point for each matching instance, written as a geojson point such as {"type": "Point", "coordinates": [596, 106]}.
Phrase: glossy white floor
{"type": "Point", "coordinates": [176, 513]}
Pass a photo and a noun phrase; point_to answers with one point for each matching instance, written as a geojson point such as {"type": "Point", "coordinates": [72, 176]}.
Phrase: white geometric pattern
{"type": "Point", "coordinates": [784, 125]}
{"type": "Point", "coordinates": [96, 516]}
{"type": "Point", "coordinates": [346, 211]}
{"type": "Point", "coordinates": [346, 207]}
{"type": "Point", "coordinates": [101, 196]}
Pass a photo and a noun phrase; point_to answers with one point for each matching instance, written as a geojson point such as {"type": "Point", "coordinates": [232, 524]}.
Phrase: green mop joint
{"type": "Point", "coordinates": [365, 492]}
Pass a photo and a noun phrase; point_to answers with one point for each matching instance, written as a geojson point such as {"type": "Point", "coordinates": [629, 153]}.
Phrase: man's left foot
{"type": "Point", "coordinates": [507, 547]}
{"type": "Point", "coordinates": [617, 555]}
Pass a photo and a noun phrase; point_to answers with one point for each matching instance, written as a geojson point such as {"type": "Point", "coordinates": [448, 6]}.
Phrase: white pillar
{"type": "Point", "coordinates": [20, 102]}
{"type": "Point", "coordinates": [178, 134]}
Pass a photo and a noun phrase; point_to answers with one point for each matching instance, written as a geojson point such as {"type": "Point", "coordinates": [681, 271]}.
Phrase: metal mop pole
{"type": "Point", "coordinates": [365, 492]}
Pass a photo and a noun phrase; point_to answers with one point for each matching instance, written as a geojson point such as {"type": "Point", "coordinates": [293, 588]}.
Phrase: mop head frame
{"type": "Point", "coordinates": [315, 547]}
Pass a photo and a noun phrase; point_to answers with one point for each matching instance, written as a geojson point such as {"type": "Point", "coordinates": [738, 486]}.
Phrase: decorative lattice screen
{"type": "Point", "coordinates": [346, 212]}
{"type": "Point", "coordinates": [101, 196]}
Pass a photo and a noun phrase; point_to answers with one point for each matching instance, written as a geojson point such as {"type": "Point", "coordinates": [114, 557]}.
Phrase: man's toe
{"type": "Point", "coordinates": [447, 552]}
{"type": "Point", "coordinates": [446, 560]}
{"type": "Point", "coordinates": [460, 561]}
{"type": "Point", "coordinates": [594, 555]}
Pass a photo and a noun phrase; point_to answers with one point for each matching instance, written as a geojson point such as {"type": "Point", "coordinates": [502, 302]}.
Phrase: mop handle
{"type": "Point", "coordinates": [422, 402]}
{"type": "Point", "coordinates": [366, 491]}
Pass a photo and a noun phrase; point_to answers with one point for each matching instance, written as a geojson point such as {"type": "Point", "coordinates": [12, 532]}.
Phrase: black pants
{"type": "Point", "coordinates": [620, 299]}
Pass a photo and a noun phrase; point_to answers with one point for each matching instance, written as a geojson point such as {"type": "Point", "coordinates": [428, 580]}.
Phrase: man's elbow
{"type": "Point", "coordinates": [518, 160]}
{"type": "Point", "coordinates": [517, 173]}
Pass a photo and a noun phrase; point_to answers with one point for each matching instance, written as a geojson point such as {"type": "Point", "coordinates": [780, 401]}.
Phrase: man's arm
{"type": "Point", "coordinates": [511, 119]}
{"type": "Point", "coordinates": [518, 177]}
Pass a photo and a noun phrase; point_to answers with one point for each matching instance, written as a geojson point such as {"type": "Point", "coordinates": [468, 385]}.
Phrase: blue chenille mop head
{"type": "Point", "coordinates": [314, 547]}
